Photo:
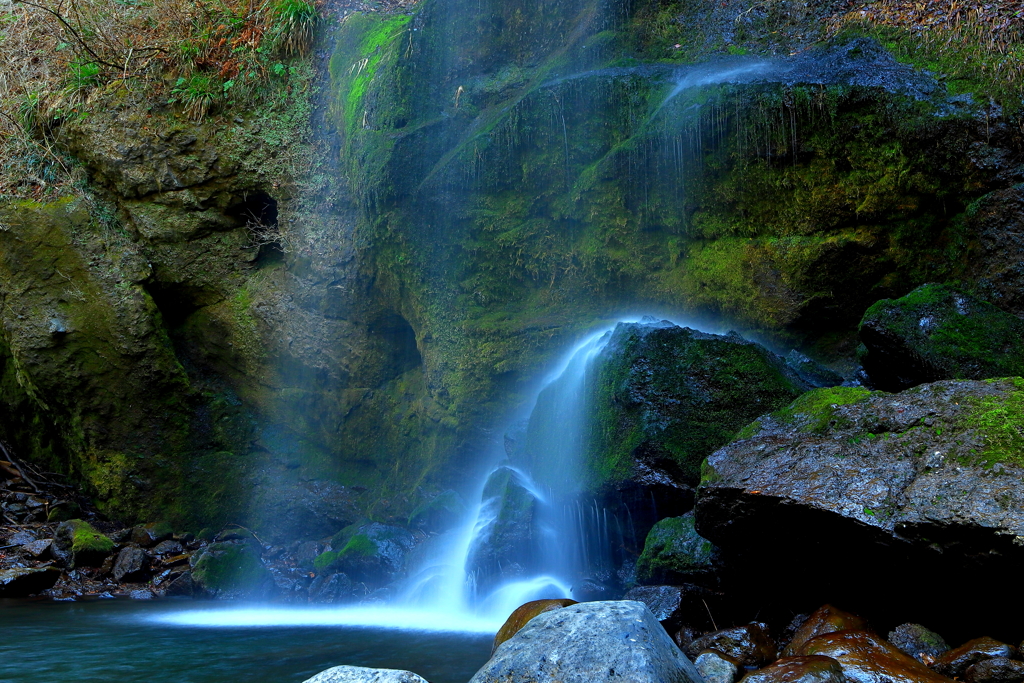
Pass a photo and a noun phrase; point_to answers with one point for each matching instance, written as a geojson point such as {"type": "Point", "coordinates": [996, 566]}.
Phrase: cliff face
{"type": "Point", "coordinates": [334, 295]}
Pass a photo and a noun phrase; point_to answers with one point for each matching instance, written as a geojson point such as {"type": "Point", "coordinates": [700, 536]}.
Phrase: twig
{"type": "Point", "coordinates": [10, 458]}
{"type": "Point", "coordinates": [71, 30]}
{"type": "Point", "coordinates": [709, 613]}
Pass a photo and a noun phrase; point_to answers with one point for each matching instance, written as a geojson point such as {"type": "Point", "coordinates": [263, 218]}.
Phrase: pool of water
{"type": "Point", "coordinates": [127, 641]}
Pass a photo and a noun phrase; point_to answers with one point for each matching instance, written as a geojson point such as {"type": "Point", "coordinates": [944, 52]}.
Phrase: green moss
{"type": "Point", "coordinates": [1000, 422]}
{"type": "Point", "coordinates": [325, 561]}
{"type": "Point", "coordinates": [674, 551]}
{"type": "Point", "coordinates": [87, 540]}
{"type": "Point", "coordinates": [229, 566]}
{"type": "Point", "coordinates": [815, 409]}
{"type": "Point", "coordinates": [358, 546]}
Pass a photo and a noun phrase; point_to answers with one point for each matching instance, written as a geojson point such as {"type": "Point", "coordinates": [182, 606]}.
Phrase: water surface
{"type": "Point", "coordinates": [130, 641]}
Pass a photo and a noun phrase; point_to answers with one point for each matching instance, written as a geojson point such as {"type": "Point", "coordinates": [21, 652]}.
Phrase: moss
{"type": "Point", "coordinates": [358, 546]}
{"type": "Point", "coordinates": [999, 420]}
{"type": "Point", "coordinates": [814, 411]}
{"type": "Point", "coordinates": [674, 551]}
{"type": "Point", "coordinates": [229, 566]}
{"type": "Point", "coordinates": [85, 539]}
{"type": "Point", "coordinates": [325, 561]}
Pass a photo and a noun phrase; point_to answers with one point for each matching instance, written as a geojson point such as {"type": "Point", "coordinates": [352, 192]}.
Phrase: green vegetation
{"type": "Point", "coordinates": [357, 546]}
{"type": "Point", "coordinates": [230, 566]}
{"type": "Point", "coordinates": [86, 540]}
{"type": "Point", "coordinates": [814, 411]}
{"type": "Point", "coordinates": [674, 552]}
{"type": "Point", "coordinates": [1000, 422]}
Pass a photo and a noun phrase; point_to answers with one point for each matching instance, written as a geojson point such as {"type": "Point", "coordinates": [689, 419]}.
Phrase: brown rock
{"type": "Point", "coordinates": [806, 669]}
{"type": "Point", "coordinates": [995, 670]}
{"type": "Point", "coordinates": [957, 661]}
{"type": "Point", "coordinates": [827, 619]}
{"type": "Point", "coordinates": [750, 645]}
{"type": "Point", "coordinates": [523, 614]}
{"type": "Point", "coordinates": [867, 658]}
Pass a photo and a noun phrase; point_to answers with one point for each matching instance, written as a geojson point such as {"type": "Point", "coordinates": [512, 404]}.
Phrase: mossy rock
{"type": "Point", "coordinates": [936, 332]}
{"type": "Point", "coordinates": [675, 553]}
{"type": "Point", "coordinates": [232, 568]}
{"type": "Point", "coordinates": [439, 513]}
{"type": "Point", "coordinates": [88, 546]}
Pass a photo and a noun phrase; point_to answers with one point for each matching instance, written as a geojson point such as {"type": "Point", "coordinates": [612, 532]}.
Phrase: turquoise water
{"type": "Point", "coordinates": [131, 641]}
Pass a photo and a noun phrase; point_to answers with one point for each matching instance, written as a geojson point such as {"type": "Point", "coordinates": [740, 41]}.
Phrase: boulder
{"type": "Point", "coordinates": [181, 586]}
{"type": "Point", "coordinates": [825, 619]}
{"type": "Point", "coordinates": [997, 266]}
{"type": "Point", "coordinates": [440, 513]}
{"type": "Point", "coordinates": [523, 614]}
{"type": "Point", "coordinates": [132, 565]}
{"type": "Point", "coordinates": [505, 546]}
{"type": "Point", "coordinates": [168, 547]}
{"type": "Point", "coordinates": [674, 606]}
{"type": "Point", "coordinates": [811, 372]}
{"type": "Point", "coordinates": [955, 662]}
{"type": "Point", "coordinates": [676, 553]}
{"type": "Point", "coordinates": [230, 568]}
{"type": "Point", "coordinates": [936, 333]}
{"type": "Point", "coordinates": [304, 510]}
{"type": "Point", "coordinates": [21, 582]}
{"type": "Point", "coordinates": [331, 589]}
{"type": "Point", "coordinates": [594, 642]}
{"type": "Point", "coordinates": [995, 670]}
{"type": "Point", "coordinates": [358, 674]}
{"type": "Point", "coordinates": [373, 554]}
{"type": "Point", "coordinates": [750, 645]}
{"type": "Point", "coordinates": [86, 546]}
{"type": "Point", "coordinates": [715, 667]}
{"type": "Point", "coordinates": [148, 535]}
{"type": "Point", "coordinates": [806, 669]}
{"type": "Point", "coordinates": [929, 478]}
{"type": "Point", "coordinates": [918, 642]}
{"type": "Point", "coordinates": [866, 658]}
{"type": "Point", "coordinates": [40, 550]}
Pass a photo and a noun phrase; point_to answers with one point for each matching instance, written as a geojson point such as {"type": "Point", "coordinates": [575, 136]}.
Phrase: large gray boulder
{"type": "Point", "coordinates": [358, 674]}
{"type": "Point", "coordinates": [590, 642]}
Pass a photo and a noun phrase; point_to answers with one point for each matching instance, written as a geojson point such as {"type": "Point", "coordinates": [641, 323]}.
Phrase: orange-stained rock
{"type": "Point", "coordinates": [523, 614]}
{"type": "Point", "coordinates": [867, 658]}
{"type": "Point", "coordinates": [958, 660]}
{"type": "Point", "coordinates": [826, 619]}
{"type": "Point", "coordinates": [807, 669]}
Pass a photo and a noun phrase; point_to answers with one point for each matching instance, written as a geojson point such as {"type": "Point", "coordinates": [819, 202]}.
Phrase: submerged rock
{"type": "Point", "coordinates": [918, 642]}
{"type": "Point", "coordinates": [23, 582]}
{"type": "Point", "coordinates": [866, 658]}
{"type": "Point", "coordinates": [358, 674]}
{"type": "Point", "coordinates": [594, 642]}
{"type": "Point", "coordinates": [936, 333]}
{"type": "Point", "coordinates": [804, 669]}
{"type": "Point", "coordinates": [523, 614]}
{"type": "Point", "coordinates": [934, 468]}
{"type": "Point", "coordinates": [676, 553]}
{"type": "Point", "coordinates": [750, 645]}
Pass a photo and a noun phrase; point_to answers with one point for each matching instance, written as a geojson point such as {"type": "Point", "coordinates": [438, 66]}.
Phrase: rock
{"type": "Point", "coordinates": [140, 594]}
{"type": "Point", "coordinates": [676, 553]}
{"type": "Point", "coordinates": [168, 547]}
{"type": "Point", "coordinates": [523, 614]}
{"type": "Point", "coordinates": [995, 670]}
{"type": "Point", "coordinates": [998, 265]}
{"type": "Point", "coordinates": [21, 538]}
{"type": "Point", "coordinates": [931, 476]}
{"type": "Point", "coordinates": [330, 589]}
{"type": "Point", "coordinates": [21, 582]}
{"type": "Point", "coordinates": [593, 642]}
{"type": "Point", "coordinates": [826, 619]}
{"type": "Point", "coordinates": [87, 547]}
{"type": "Point", "coordinates": [674, 606]}
{"type": "Point", "coordinates": [918, 642]}
{"type": "Point", "coordinates": [505, 547]}
{"type": "Point", "coordinates": [811, 372]}
{"type": "Point", "coordinates": [806, 669]}
{"type": "Point", "coordinates": [181, 585]}
{"type": "Point", "coordinates": [373, 554]}
{"type": "Point", "coordinates": [231, 568]}
{"type": "Point", "coordinates": [132, 565]}
{"type": "Point", "coordinates": [440, 513]}
{"type": "Point", "coordinates": [937, 333]}
{"type": "Point", "coordinates": [715, 667]}
{"type": "Point", "coordinates": [358, 674]}
{"type": "Point", "coordinates": [303, 511]}
{"type": "Point", "coordinates": [955, 662]}
{"type": "Point", "coordinates": [866, 658]}
{"type": "Point", "coordinates": [593, 589]}
{"type": "Point", "coordinates": [307, 552]}
{"type": "Point", "coordinates": [39, 550]}
{"type": "Point", "coordinates": [750, 645]}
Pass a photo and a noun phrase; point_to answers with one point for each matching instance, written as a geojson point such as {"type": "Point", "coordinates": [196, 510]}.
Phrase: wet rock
{"type": "Point", "coordinates": [805, 669]}
{"type": "Point", "coordinates": [21, 582]}
{"type": "Point", "coordinates": [358, 674]}
{"type": "Point", "coordinates": [594, 642]}
{"type": "Point", "coordinates": [331, 589]}
{"type": "Point", "coordinates": [866, 658]}
{"type": "Point", "coordinates": [931, 471]}
{"type": "Point", "coordinates": [39, 550]}
{"type": "Point", "coordinates": [937, 333]}
{"type": "Point", "coordinates": [918, 642]}
{"type": "Point", "coordinates": [995, 670]}
{"type": "Point", "coordinates": [504, 548]}
{"type": "Point", "coordinates": [998, 265]}
{"type": "Point", "coordinates": [592, 589]}
{"type": "Point", "coordinates": [305, 511]}
{"type": "Point", "coordinates": [168, 547]}
{"type": "Point", "coordinates": [811, 372]}
{"type": "Point", "coordinates": [373, 554]}
{"type": "Point", "coordinates": [955, 662]}
{"type": "Point", "coordinates": [523, 614]}
{"type": "Point", "coordinates": [232, 569]}
{"type": "Point", "coordinates": [149, 535]}
{"type": "Point", "coordinates": [438, 514]}
{"type": "Point", "coordinates": [86, 546]}
{"type": "Point", "coordinates": [715, 667]}
{"type": "Point", "coordinates": [750, 645]}
{"type": "Point", "coordinates": [675, 605]}
{"type": "Point", "coordinates": [140, 594]}
{"type": "Point", "coordinates": [676, 553]}
{"type": "Point", "coordinates": [21, 538]}
{"type": "Point", "coordinates": [181, 586]}
{"type": "Point", "coordinates": [132, 565]}
{"type": "Point", "coordinates": [826, 619]}
{"type": "Point", "coordinates": [306, 552]}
